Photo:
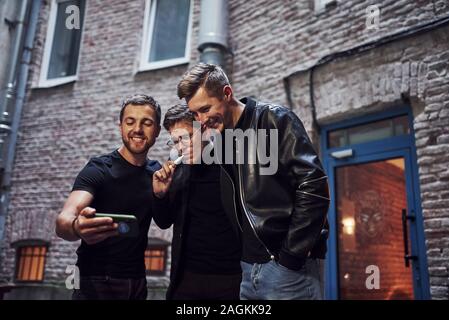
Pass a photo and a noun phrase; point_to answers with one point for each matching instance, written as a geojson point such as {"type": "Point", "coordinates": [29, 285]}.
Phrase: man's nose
{"type": "Point", "coordinates": [196, 117]}
{"type": "Point", "coordinates": [202, 118]}
{"type": "Point", "coordinates": [138, 128]}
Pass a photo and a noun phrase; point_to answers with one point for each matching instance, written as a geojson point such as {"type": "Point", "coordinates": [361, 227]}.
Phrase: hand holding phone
{"type": "Point", "coordinates": [92, 229]}
{"type": "Point", "coordinates": [127, 225]}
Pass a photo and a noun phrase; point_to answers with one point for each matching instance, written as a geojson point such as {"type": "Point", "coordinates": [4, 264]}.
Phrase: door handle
{"type": "Point", "coordinates": [407, 256]}
{"type": "Point", "coordinates": [342, 154]}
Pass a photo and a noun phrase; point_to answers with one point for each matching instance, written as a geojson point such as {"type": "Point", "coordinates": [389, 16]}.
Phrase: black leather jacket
{"type": "Point", "coordinates": [287, 210]}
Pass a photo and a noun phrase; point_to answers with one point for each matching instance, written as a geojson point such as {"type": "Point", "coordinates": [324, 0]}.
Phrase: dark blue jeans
{"type": "Point", "coordinates": [272, 281]}
{"type": "Point", "coordinates": [107, 288]}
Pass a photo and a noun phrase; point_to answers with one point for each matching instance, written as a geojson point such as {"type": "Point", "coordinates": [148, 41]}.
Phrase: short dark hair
{"type": "Point", "coordinates": [177, 113]}
{"type": "Point", "coordinates": [211, 76]}
{"type": "Point", "coordinates": [141, 100]}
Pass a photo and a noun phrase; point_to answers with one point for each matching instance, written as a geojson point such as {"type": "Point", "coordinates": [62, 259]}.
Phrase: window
{"type": "Point", "coordinates": [166, 33]}
{"type": "Point", "coordinates": [373, 131]}
{"type": "Point", "coordinates": [30, 263]}
{"type": "Point", "coordinates": [62, 45]}
{"type": "Point", "coordinates": [156, 257]}
{"type": "Point", "coordinates": [321, 5]}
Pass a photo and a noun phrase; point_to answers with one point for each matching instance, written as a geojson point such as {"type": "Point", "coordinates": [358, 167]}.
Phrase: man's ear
{"type": "Point", "coordinates": [120, 128]}
{"type": "Point", "coordinates": [158, 131]}
{"type": "Point", "coordinates": [227, 92]}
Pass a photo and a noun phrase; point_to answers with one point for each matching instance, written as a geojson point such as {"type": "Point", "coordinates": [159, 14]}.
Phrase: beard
{"type": "Point", "coordinates": [137, 150]}
{"type": "Point", "coordinates": [214, 122]}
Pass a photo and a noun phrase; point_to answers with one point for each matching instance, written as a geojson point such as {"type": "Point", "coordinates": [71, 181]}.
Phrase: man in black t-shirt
{"type": "Point", "coordinates": [112, 266]}
{"type": "Point", "coordinates": [206, 250]}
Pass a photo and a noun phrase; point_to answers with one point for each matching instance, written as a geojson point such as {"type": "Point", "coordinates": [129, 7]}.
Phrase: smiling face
{"type": "Point", "coordinates": [212, 112]}
{"type": "Point", "coordinates": [139, 128]}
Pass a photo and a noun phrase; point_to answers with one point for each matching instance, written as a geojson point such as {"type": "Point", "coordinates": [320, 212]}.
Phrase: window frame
{"type": "Point", "coordinates": [18, 246]}
{"type": "Point", "coordinates": [160, 245]}
{"type": "Point", "coordinates": [44, 82]}
{"type": "Point", "coordinates": [148, 28]}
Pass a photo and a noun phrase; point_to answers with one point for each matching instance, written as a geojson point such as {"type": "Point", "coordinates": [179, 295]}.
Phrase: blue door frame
{"type": "Point", "coordinates": [394, 147]}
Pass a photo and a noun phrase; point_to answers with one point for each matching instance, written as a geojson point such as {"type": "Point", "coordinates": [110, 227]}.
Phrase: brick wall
{"type": "Point", "coordinates": [272, 39]}
{"type": "Point", "coordinates": [62, 127]}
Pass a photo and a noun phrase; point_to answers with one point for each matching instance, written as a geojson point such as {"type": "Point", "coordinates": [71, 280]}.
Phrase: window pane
{"type": "Point", "coordinates": [170, 30]}
{"type": "Point", "coordinates": [373, 131]}
{"type": "Point", "coordinates": [155, 260]}
{"type": "Point", "coordinates": [36, 251]}
{"type": "Point", "coordinates": [401, 125]}
{"type": "Point", "coordinates": [370, 132]}
{"type": "Point", "coordinates": [66, 42]}
{"type": "Point", "coordinates": [31, 263]}
{"type": "Point", "coordinates": [34, 268]}
{"type": "Point", "coordinates": [21, 264]}
{"type": "Point", "coordinates": [370, 201]}
{"type": "Point", "coordinates": [26, 267]}
{"type": "Point", "coordinates": [39, 268]}
{"type": "Point", "coordinates": [157, 264]}
{"type": "Point", "coordinates": [337, 138]}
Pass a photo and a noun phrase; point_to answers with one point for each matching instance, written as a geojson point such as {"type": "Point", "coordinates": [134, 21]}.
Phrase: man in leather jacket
{"type": "Point", "coordinates": [281, 216]}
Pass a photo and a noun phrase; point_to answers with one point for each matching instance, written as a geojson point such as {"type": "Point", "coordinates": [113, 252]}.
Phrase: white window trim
{"type": "Point", "coordinates": [44, 82]}
{"type": "Point", "coordinates": [148, 25]}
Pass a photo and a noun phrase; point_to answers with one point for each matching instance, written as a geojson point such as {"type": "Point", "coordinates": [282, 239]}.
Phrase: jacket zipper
{"type": "Point", "coordinates": [312, 194]}
{"type": "Point", "coordinates": [248, 216]}
{"type": "Point", "coordinates": [233, 198]}
{"type": "Point", "coordinates": [312, 180]}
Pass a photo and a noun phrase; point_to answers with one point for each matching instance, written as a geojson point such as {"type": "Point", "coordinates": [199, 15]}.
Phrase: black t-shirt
{"type": "Point", "coordinates": [118, 187]}
{"type": "Point", "coordinates": [211, 245]}
{"type": "Point", "coordinates": [253, 251]}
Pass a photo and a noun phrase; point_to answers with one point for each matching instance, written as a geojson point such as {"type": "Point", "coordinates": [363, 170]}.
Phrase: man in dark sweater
{"type": "Point", "coordinates": [205, 248]}
{"type": "Point", "coordinates": [112, 266]}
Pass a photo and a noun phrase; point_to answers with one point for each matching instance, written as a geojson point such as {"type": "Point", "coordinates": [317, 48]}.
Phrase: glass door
{"type": "Point", "coordinates": [371, 201]}
{"type": "Point", "coordinates": [376, 247]}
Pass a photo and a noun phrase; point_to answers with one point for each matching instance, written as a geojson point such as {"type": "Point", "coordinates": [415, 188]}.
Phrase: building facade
{"type": "Point", "coordinates": [369, 80]}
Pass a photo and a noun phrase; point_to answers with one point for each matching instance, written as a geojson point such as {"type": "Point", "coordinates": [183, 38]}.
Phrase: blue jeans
{"type": "Point", "coordinates": [272, 281]}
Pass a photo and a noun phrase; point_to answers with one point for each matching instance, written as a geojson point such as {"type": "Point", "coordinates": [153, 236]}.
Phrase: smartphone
{"type": "Point", "coordinates": [127, 224]}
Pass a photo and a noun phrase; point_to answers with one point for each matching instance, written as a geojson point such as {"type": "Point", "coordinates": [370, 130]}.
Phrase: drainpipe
{"type": "Point", "coordinates": [14, 57]}
{"type": "Point", "coordinates": [26, 28]}
{"type": "Point", "coordinates": [8, 92]}
{"type": "Point", "coordinates": [213, 31]}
